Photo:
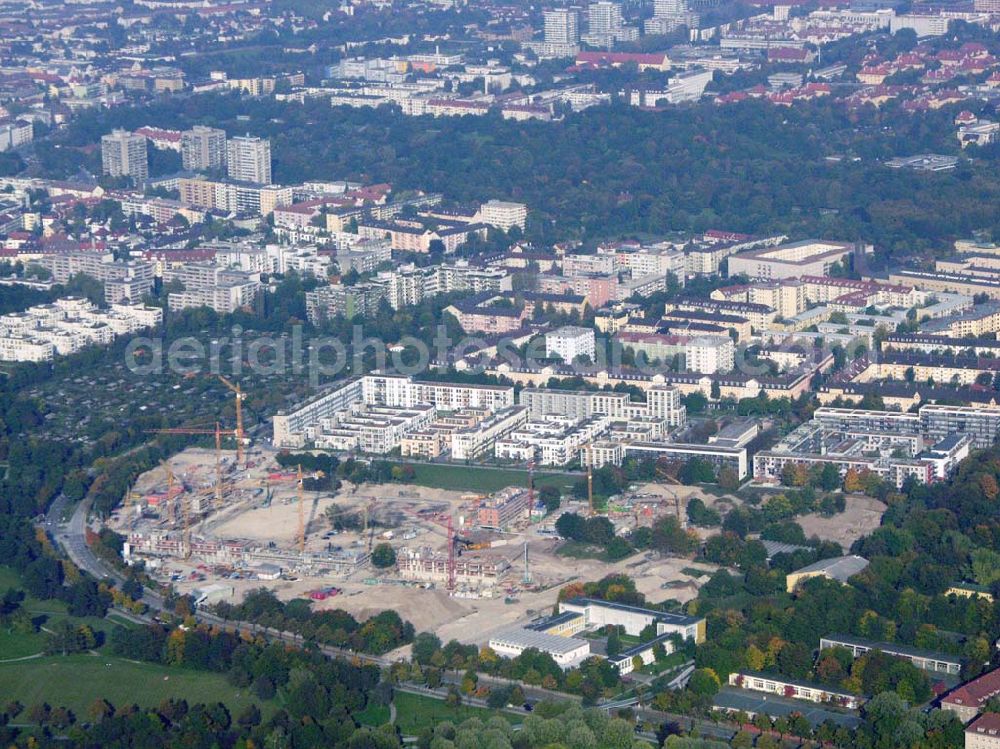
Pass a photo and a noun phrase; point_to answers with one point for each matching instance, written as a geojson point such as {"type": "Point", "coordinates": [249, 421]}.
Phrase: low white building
{"type": "Point", "coordinates": [565, 651]}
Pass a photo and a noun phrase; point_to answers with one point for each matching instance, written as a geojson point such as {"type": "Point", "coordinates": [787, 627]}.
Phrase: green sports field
{"type": "Point", "coordinates": [76, 681]}
{"type": "Point", "coordinates": [483, 480]}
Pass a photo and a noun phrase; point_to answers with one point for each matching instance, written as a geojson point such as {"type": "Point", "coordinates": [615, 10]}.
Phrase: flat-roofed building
{"type": "Point", "coordinates": [503, 214]}
{"type": "Point", "coordinates": [926, 660]}
{"type": "Point", "coordinates": [720, 457]}
{"type": "Point", "coordinates": [565, 651]}
{"type": "Point", "coordinates": [570, 342]}
{"type": "Point", "coordinates": [634, 619]}
{"type": "Point", "coordinates": [794, 688]}
{"type": "Point", "coordinates": [840, 569]}
{"type": "Point", "coordinates": [810, 257]}
{"type": "Point", "coordinates": [981, 424]}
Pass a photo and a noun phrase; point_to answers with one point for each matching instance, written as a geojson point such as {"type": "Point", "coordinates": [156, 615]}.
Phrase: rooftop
{"type": "Point", "coordinates": [892, 648]}
{"type": "Point", "coordinates": [665, 616]}
{"type": "Point", "coordinates": [839, 568]}
{"type": "Point", "coordinates": [528, 638]}
{"type": "Point", "coordinates": [974, 693]}
{"type": "Point", "coordinates": [987, 723]}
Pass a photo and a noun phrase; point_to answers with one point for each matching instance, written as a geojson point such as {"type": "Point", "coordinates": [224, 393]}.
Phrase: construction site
{"type": "Point", "coordinates": [216, 523]}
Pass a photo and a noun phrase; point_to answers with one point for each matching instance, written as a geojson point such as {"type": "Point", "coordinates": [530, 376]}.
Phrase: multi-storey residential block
{"type": "Point", "coordinates": [503, 215]}
{"type": "Point", "coordinates": [15, 133]}
{"type": "Point", "coordinates": [570, 342]}
{"type": "Point", "coordinates": [203, 148]}
{"type": "Point", "coordinates": [562, 26]}
{"type": "Point", "coordinates": [809, 257]}
{"type": "Point", "coordinates": [206, 285]}
{"type": "Point", "coordinates": [248, 159]}
{"type": "Point", "coordinates": [123, 154]}
{"type": "Point", "coordinates": [123, 280]}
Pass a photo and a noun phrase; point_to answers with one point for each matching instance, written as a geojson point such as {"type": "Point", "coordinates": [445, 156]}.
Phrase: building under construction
{"type": "Point", "coordinates": [505, 508]}
{"type": "Point", "coordinates": [244, 554]}
{"type": "Point", "coordinates": [470, 569]}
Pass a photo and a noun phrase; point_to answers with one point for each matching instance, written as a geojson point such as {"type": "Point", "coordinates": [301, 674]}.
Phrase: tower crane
{"type": "Point", "coordinates": [531, 485]}
{"type": "Point", "coordinates": [589, 447]}
{"type": "Point", "coordinates": [447, 523]}
{"type": "Point", "coordinates": [667, 478]}
{"type": "Point", "coordinates": [299, 479]}
{"type": "Point", "coordinates": [218, 452]}
{"type": "Point", "coordinates": [240, 434]}
{"type": "Point", "coordinates": [185, 509]}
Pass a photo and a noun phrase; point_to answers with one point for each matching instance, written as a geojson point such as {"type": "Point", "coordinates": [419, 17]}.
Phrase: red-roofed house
{"type": "Point", "coordinates": [874, 76]}
{"type": "Point", "coordinates": [644, 61]}
{"type": "Point", "coordinates": [983, 732]}
{"type": "Point", "coordinates": [789, 55]}
{"type": "Point", "coordinates": [974, 49]}
{"type": "Point", "coordinates": [162, 139]}
{"type": "Point", "coordinates": [967, 700]}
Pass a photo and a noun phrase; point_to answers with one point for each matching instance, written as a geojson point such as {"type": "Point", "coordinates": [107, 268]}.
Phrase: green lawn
{"type": "Point", "coordinates": [671, 661]}
{"type": "Point", "coordinates": [9, 578]}
{"type": "Point", "coordinates": [373, 715]}
{"type": "Point", "coordinates": [20, 644]}
{"type": "Point", "coordinates": [75, 681]}
{"type": "Point", "coordinates": [484, 480]}
{"type": "Point", "coordinates": [45, 614]}
{"type": "Point", "coordinates": [414, 712]}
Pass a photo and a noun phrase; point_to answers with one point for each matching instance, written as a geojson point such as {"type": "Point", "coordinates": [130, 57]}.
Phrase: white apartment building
{"type": "Point", "coordinates": [375, 430]}
{"type": "Point", "coordinates": [472, 442]}
{"type": "Point", "coordinates": [503, 214]}
{"type": "Point", "coordinates": [551, 440]}
{"type": "Point", "coordinates": [15, 133]}
{"type": "Point", "coordinates": [123, 154]}
{"type": "Point", "coordinates": [562, 26]}
{"type": "Point", "coordinates": [207, 285]}
{"type": "Point", "coordinates": [810, 257]}
{"type": "Point", "coordinates": [922, 25]}
{"type": "Point", "coordinates": [709, 355]}
{"type": "Point", "coordinates": [648, 261]}
{"type": "Point", "coordinates": [296, 428]}
{"type": "Point", "coordinates": [20, 348]}
{"type": "Point", "coordinates": [248, 159]}
{"type": "Point", "coordinates": [68, 325]}
{"type": "Point", "coordinates": [663, 403]}
{"type": "Point", "coordinates": [402, 391]}
{"type": "Point", "coordinates": [305, 424]}
{"type": "Point", "coordinates": [570, 342]}
{"type": "Point", "coordinates": [606, 25]}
